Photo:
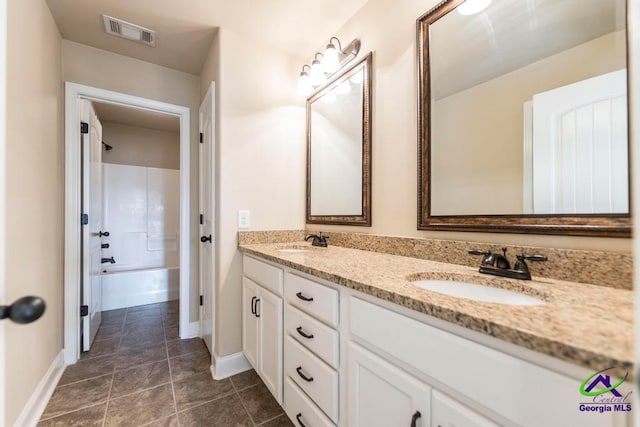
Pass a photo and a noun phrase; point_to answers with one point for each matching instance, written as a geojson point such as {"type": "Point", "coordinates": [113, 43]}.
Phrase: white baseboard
{"type": "Point", "coordinates": [193, 330]}
{"type": "Point", "coordinates": [34, 408]}
{"type": "Point", "coordinates": [226, 366]}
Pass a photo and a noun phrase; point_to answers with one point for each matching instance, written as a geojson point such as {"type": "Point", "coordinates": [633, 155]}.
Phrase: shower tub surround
{"type": "Point", "coordinates": [577, 324]}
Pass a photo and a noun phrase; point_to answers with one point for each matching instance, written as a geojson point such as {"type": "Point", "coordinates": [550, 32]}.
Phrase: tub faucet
{"type": "Point", "coordinates": [106, 260]}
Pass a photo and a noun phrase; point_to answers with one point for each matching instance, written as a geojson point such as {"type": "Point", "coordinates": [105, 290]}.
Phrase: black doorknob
{"type": "Point", "coordinates": [105, 234]}
{"type": "Point", "coordinates": [24, 310]}
{"type": "Point", "coordinates": [205, 239]}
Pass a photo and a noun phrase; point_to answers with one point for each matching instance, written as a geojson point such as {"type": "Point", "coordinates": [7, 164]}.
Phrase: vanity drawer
{"type": "Point", "coordinates": [322, 382]}
{"type": "Point", "coordinates": [264, 274]}
{"type": "Point", "coordinates": [318, 300]}
{"type": "Point", "coordinates": [300, 409]}
{"type": "Point", "coordinates": [313, 334]}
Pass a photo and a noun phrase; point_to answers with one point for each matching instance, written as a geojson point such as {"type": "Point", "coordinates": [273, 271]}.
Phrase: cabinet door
{"type": "Point", "coordinates": [269, 312]}
{"type": "Point", "coordinates": [249, 322]}
{"type": "Point", "coordinates": [380, 394]}
{"type": "Point", "coordinates": [446, 412]}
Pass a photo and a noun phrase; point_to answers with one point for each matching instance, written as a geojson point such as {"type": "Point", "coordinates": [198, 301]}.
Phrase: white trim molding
{"type": "Point", "coordinates": [38, 401]}
{"type": "Point", "coordinates": [225, 366]}
{"type": "Point", "coordinates": [193, 330]}
{"type": "Point", "coordinates": [72, 258]}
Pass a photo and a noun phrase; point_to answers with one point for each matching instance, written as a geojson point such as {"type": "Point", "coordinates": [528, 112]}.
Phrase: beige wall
{"type": "Point", "coordinates": [390, 32]}
{"type": "Point", "coordinates": [260, 159]}
{"type": "Point", "coordinates": [34, 198]}
{"type": "Point", "coordinates": [138, 146]}
{"type": "Point", "coordinates": [488, 159]}
{"type": "Point", "coordinates": [94, 67]}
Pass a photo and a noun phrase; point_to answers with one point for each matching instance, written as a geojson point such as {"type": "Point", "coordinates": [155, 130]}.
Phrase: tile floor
{"type": "Point", "coordinates": [139, 372]}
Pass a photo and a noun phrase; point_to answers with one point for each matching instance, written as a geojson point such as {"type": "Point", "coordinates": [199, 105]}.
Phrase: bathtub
{"type": "Point", "coordinates": [130, 288]}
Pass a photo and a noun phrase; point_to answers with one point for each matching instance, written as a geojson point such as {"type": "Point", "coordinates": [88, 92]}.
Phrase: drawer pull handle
{"type": "Point", "coordinates": [303, 376]}
{"type": "Point", "coordinates": [299, 420]}
{"type": "Point", "coordinates": [414, 419]}
{"type": "Point", "coordinates": [253, 307]}
{"type": "Point", "coordinates": [303, 298]}
{"type": "Point", "coordinates": [303, 333]}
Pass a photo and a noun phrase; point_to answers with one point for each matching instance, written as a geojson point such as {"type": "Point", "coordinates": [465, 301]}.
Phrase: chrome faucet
{"type": "Point", "coordinates": [318, 240]}
{"type": "Point", "coordinates": [498, 264]}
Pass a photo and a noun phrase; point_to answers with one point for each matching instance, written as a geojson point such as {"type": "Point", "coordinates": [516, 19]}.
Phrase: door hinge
{"type": "Point", "coordinates": [84, 310]}
{"type": "Point", "coordinates": [84, 127]}
{"type": "Point", "coordinates": [201, 138]}
{"type": "Point", "coordinates": [201, 300]}
{"type": "Point", "coordinates": [201, 219]}
{"type": "Point", "coordinates": [84, 219]}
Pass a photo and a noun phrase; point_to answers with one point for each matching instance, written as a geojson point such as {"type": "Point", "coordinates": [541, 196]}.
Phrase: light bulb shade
{"type": "Point", "coordinates": [304, 84]}
{"type": "Point", "coordinates": [330, 60]}
{"type": "Point", "coordinates": [316, 74]}
{"type": "Point", "coordinates": [471, 7]}
{"type": "Point", "coordinates": [343, 88]}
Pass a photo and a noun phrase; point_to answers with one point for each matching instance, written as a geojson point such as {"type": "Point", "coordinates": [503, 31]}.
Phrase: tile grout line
{"type": "Point", "coordinates": [106, 408]}
{"type": "Point", "coordinates": [231, 393]}
{"type": "Point", "coordinates": [242, 402]}
{"type": "Point", "coordinates": [271, 419]}
{"type": "Point", "coordinates": [71, 412]}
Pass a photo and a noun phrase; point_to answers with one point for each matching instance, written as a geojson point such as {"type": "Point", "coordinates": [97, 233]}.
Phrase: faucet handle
{"type": "Point", "coordinates": [477, 252]}
{"type": "Point", "coordinates": [538, 258]}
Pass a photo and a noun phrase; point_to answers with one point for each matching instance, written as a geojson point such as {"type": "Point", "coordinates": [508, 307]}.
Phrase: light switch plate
{"type": "Point", "coordinates": [244, 219]}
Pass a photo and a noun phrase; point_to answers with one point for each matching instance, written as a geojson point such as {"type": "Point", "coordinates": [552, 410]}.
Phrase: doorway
{"type": "Point", "coordinates": [76, 97]}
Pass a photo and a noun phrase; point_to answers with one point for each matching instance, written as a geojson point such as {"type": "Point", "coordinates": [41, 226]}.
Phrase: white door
{"type": "Point", "coordinates": [268, 310]}
{"type": "Point", "coordinates": [207, 217]}
{"type": "Point", "coordinates": [91, 232]}
{"type": "Point", "coordinates": [579, 149]}
{"type": "Point", "coordinates": [380, 394]}
{"type": "Point", "coordinates": [250, 321]}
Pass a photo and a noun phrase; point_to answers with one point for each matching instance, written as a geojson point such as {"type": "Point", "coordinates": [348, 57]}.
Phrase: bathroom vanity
{"type": "Point", "coordinates": [342, 337]}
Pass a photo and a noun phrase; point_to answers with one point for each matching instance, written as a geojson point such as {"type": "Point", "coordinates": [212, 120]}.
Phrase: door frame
{"type": "Point", "coordinates": [3, 144]}
{"type": "Point", "coordinates": [73, 208]}
{"type": "Point", "coordinates": [210, 97]}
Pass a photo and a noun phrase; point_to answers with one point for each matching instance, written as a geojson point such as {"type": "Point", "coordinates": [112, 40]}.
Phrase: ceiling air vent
{"type": "Point", "coordinates": [129, 31]}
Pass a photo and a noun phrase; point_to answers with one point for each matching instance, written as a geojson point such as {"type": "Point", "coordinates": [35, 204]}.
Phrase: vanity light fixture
{"type": "Point", "coordinates": [471, 7]}
{"type": "Point", "coordinates": [317, 73]}
{"type": "Point", "coordinates": [331, 61]}
{"type": "Point", "coordinates": [304, 82]}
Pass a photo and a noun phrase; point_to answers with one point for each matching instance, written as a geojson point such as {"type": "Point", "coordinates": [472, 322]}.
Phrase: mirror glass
{"type": "Point", "coordinates": [338, 149]}
{"type": "Point", "coordinates": [528, 108]}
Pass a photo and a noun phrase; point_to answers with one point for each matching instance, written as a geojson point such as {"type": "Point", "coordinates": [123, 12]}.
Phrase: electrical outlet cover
{"type": "Point", "coordinates": [244, 219]}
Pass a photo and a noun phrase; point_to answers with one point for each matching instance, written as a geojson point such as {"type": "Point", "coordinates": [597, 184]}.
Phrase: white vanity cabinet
{"type": "Point", "coordinates": [336, 357]}
{"type": "Point", "coordinates": [262, 322]}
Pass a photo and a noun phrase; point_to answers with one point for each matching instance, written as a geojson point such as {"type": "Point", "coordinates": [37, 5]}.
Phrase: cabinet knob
{"type": "Point", "coordinates": [414, 419]}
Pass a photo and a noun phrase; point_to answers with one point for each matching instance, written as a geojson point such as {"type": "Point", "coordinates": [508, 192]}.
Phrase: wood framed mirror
{"type": "Point", "coordinates": [339, 149]}
{"type": "Point", "coordinates": [523, 117]}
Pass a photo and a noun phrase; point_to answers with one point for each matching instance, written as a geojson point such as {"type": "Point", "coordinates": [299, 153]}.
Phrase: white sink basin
{"type": "Point", "coordinates": [474, 292]}
{"type": "Point", "coordinates": [293, 249]}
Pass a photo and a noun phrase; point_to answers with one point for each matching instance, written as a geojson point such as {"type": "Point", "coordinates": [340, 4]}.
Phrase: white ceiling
{"type": "Point", "coordinates": [468, 50]}
{"type": "Point", "coordinates": [110, 113]}
{"type": "Point", "coordinates": [185, 29]}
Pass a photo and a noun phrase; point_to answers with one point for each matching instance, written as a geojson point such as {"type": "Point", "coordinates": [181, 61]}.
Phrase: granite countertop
{"type": "Point", "coordinates": [587, 325]}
